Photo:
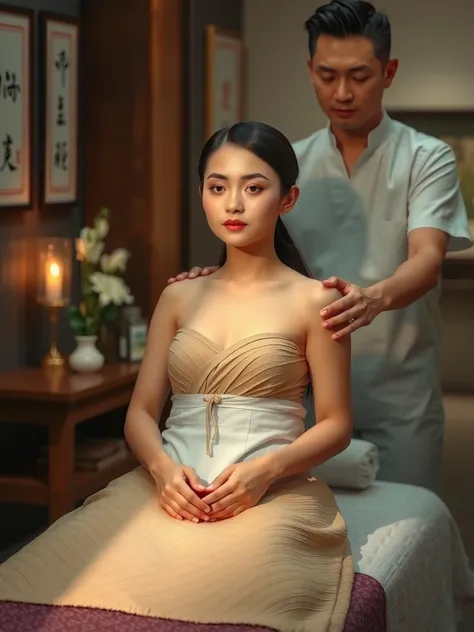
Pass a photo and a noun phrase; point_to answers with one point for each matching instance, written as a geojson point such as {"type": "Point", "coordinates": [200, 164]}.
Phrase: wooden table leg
{"type": "Point", "coordinates": [61, 469]}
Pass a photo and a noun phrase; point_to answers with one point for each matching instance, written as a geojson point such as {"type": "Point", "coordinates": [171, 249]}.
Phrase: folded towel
{"type": "Point", "coordinates": [355, 468]}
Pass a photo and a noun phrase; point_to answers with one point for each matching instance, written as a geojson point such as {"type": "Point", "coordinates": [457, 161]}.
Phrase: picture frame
{"type": "Point", "coordinates": [16, 108]}
{"type": "Point", "coordinates": [224, 78]}
{"type": "Point", "coordinates": [455, 127]}
{"type": "Point", "coordinates": [61, 49]}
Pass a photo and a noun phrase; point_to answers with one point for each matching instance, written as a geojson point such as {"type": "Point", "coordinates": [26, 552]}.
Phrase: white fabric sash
{"type": "Point", "coordinates": [211, 432]}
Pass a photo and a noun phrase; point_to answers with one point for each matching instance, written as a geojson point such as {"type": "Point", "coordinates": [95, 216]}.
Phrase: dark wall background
{"type": "Point", "coordinates": [23, 326]}
{"type": "Point", "coordinates": [202, 247]}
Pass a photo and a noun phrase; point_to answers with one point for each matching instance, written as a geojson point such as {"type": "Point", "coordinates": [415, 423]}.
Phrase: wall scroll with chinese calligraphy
{"type": "Point", "coordinates": [224, 78]}
{"type": "Point", "coordinates": [61, 46]}
{"type": "Point", "coordinates": [16, 35]}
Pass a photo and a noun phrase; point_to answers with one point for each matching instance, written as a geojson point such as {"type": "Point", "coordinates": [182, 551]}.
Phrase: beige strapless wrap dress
{"type": "Point", "coordinates": [283, 564]}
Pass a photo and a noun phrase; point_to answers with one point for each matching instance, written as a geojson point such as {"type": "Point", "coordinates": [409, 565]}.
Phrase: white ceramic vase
{"type": "Point", "coordinates": [86, 358]}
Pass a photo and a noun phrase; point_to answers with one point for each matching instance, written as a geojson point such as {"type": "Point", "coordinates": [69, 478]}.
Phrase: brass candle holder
{"type": "Point", "coordinates": [53, 290]}
{"type": "Point", "coordinates": [53, 357]}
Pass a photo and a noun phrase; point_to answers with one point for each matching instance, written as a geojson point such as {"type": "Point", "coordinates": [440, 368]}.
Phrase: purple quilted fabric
{"type": "Point", "coordinates": [367, 611]}
{"type": "Point", "coordinates": [366, 614]}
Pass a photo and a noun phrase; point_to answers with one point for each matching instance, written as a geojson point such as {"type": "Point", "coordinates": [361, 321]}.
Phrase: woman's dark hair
{"type": "Point", "coordinates": [346, 18]}
{"type": "Point", "coordinates": [271, 146]}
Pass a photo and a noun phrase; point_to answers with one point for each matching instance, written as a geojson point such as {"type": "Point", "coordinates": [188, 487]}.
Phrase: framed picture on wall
{"type": "Point", "coordinates": [60, 37]}
{"type": "Point", "coordinates": [224, 78]}
{"type": "Point", "coordinates": [16, 108]}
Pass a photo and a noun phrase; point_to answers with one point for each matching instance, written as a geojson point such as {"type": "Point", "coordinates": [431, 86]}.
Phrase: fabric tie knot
{"type": "Point", "coordinates": [211, 423]}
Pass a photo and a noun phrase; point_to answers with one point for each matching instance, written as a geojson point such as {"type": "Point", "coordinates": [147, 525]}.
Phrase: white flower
{"type": "Point", "coordinates": [111, 289]}
{"type": "Point", "coordinates": [88, 246]}
{"type": "Point", "coordinates": [115, 262]}
{"type": "Point", "coordinates": [89, 235]}
{"type": "Point", "coordinates": [102, 227]}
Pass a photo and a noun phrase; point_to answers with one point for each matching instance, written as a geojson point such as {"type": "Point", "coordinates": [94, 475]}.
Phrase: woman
{"type": "Point", "coordinates": [239, 534]}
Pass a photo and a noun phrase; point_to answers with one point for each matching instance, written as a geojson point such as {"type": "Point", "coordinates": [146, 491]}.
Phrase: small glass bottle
{"type": "Point", "coordinates": [126, 314]}
{"type": "Point", "coordinates": [133, 335]}
{"type": "Point", "coordinates": [137, 335]}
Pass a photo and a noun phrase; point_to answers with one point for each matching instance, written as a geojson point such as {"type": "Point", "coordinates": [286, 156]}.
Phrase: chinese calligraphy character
{"type": "Point", "coordinates": [60, 118]}
{"type": "Point", "coordinates": [9, 87]}
{"type": "Point", "coordinates": [61, 156]}
{"type": "Point", "coordinates": [7, 154]}
{"type": "Point", "coordinates": [62, 64]}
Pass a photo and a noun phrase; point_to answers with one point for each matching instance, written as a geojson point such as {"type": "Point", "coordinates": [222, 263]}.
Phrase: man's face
{"type": "Point", "coordinates": [349, 80]}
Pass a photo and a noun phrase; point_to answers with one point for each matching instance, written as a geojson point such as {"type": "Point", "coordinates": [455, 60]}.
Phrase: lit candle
{"type": "Point", "coordinates": [54, 280]}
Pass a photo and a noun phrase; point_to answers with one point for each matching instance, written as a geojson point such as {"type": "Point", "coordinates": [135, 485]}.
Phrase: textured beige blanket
{"type": "Point", "coordinates": [283, 564]}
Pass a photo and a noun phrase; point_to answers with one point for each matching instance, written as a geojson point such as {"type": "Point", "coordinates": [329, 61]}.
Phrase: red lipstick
{"type": "Point", "coordinates": [234, 224]}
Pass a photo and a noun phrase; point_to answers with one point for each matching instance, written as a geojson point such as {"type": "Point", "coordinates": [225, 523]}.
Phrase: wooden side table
{"type": "Point", "coordinates": [60, 400]}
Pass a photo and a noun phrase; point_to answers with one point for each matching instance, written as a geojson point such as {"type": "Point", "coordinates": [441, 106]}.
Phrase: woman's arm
{"type": "Point", "coordinates": [152, 386]}
{"type": "Point", "coordinates": [176, 483]}
{"type": "Point", "coordinates": [329, 364]}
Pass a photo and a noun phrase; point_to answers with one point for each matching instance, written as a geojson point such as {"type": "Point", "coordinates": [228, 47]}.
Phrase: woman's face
{"type": "Point", "coordinates": [242, 197]}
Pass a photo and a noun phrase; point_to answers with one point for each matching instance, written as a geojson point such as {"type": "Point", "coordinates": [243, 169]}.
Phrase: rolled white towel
{"type": "Point", "coordinates": [354, 468]}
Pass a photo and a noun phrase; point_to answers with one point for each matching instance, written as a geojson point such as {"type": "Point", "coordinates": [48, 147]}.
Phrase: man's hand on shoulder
{"type": "Point", "coordinates": [193, 274]}
{"type": "Point", "coordinates": [357, 308]}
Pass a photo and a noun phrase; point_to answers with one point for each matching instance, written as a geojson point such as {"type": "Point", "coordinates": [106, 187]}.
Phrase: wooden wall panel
{"type": "Point", "coordinates": [167, 124]}
{"type": "Point", "coordinates": [133, 123]}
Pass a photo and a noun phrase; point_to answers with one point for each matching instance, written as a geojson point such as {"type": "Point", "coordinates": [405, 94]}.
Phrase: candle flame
{"type": "Point", "coordinates": [54, 279]}
{"type": "Point", "coordinates": [54, 269]}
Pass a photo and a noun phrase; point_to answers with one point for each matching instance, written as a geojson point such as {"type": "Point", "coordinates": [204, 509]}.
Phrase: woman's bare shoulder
{"type": "Point", "coordinates": [311, 297]}
{"type": "Point", "coordinates": [320, 296]}
{"type": "Point", "coordinates": [314, 294]}
{"type": "Point", "coordinates": [178, 295]}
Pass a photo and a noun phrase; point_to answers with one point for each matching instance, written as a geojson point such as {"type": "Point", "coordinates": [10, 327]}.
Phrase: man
{"type": "Point", "coordinates": [379, 207]}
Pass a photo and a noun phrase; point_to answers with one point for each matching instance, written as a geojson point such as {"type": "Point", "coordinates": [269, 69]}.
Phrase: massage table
{"type": "Point", "coordinates": [404, 538]}
{"type": "Point", "coordinates": [412, 574]}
